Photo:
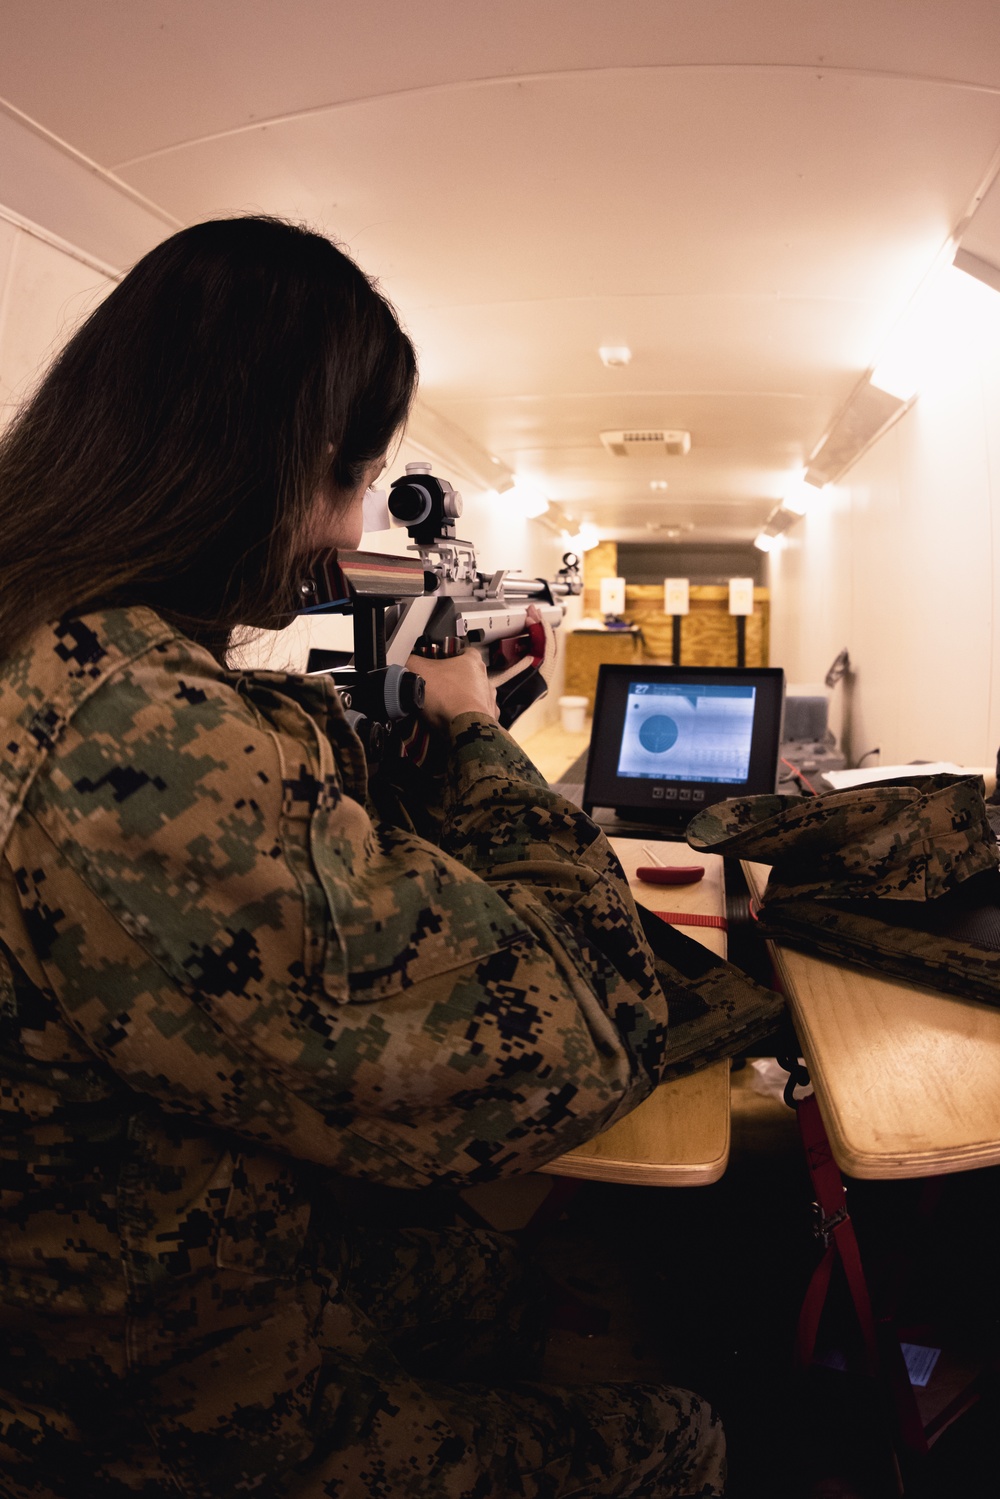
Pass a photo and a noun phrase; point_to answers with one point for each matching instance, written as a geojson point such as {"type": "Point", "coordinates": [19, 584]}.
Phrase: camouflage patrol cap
{"type": "Point", "coordinates": [904, 840]}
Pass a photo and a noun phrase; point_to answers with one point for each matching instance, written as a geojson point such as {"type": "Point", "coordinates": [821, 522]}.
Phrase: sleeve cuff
{"type": "Point", "coordinates": [481, 749]}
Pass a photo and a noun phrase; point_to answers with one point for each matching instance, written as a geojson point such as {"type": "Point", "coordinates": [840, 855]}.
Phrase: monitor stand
{"type": "Point", "coordinates": [613, 826]}
{"type": "Point", "coordinates": [571, 784]}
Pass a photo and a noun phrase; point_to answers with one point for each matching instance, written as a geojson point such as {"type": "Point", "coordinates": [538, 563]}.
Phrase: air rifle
{"type": "Point", "coordinates": [435, 602]}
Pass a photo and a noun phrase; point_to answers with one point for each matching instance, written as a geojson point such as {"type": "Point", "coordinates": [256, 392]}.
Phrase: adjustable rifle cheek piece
{"type": "Point", "coordinates": [435, 603]}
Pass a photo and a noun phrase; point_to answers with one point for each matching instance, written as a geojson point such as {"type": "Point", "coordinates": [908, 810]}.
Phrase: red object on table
{"type": "Point", "coordinates": [692, 918]}
{"type": "Point", "coordinates": [670, 874]}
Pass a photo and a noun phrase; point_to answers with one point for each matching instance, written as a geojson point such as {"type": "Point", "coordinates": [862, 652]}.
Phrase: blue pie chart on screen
{"type": "Point", "coordinates": [658, 733]}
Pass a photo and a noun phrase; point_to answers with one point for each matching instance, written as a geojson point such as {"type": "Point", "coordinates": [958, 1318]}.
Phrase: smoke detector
{"type": "Point", "coordinates": [647, 440]}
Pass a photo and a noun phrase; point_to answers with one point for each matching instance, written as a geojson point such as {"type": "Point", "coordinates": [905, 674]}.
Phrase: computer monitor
{"type": "Point", "coordinates": [668, 741]}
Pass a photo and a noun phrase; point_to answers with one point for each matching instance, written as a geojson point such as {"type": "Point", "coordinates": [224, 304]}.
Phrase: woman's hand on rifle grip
{"type": "Point", "coordinates": [454, 685]}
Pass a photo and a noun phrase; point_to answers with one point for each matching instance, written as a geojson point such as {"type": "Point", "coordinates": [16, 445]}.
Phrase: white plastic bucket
{"type": "Point", "coordinates": [574, 714]}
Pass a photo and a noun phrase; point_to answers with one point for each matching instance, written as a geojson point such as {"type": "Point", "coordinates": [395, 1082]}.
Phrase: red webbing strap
{"type": "Point", "coordinates": [692, 918]}
{"type": "Point", "coordinates": [883, 1353]}
{"type": "Point", "coordinates": [837, 1232]}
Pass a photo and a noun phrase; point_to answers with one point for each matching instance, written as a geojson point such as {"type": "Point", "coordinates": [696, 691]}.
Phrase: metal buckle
{"type": "Point", "coordinates": [824, 1226]}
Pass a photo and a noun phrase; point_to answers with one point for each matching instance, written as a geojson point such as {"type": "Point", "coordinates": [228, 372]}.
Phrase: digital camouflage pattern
{"type": "Point", "coordinates": [448, 1315]}
{"type": "Point", "coordinates": [223, 985]}
{"type": "Point", "coordinates": [892, 841]}
{"type": "Point", "coordinates": [900, 877]}
{"type": "Point", "coordinates": [715, 1009]}
{"type": "Point", "coordinates": [951, 944]}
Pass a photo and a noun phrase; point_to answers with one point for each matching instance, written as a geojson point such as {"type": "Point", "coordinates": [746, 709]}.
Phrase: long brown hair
{"type": "Point", "coordinates": [171, 454]}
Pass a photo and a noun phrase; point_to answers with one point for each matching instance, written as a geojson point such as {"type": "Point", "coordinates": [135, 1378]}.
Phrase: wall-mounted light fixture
{"type": "Point", "coordinates": [978, 254]}
{"type": "Point", "coordinates": [886, 390]}
{"type": "Point", "coordinates": [974, 265]}
{"type": "Point", "coordinates": [925, 330]}
{"type": "Point", "coordinates": [921, 337]}
{"type": "Point", "coordinates": [798, 496]}
{"type": "Point", "coordinates": [795, 502]}
{"type": "Point", "coordinates": [525, 499]}
{"type": "Point", "coordinates": [867, 414]}
{"type": "Point", "coordinates": [586, 537]}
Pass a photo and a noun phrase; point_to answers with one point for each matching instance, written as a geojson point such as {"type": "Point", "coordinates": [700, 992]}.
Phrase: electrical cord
{"type": "Point", "coordinates": [804, 785]}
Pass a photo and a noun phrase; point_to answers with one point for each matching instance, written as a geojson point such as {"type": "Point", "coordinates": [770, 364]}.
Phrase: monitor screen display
{"type": "Point", "coordinates": [669, 740]}
{"type": "Point", "coordinates": [687, 732]}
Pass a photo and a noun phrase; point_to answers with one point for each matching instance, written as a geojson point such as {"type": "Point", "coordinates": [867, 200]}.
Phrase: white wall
{"type": "Point", "coordinates": [900, 562]}
{"type": "Point", "coordinates": [44, 292]}
{"type": "Point", "coordinates": [66, 225]}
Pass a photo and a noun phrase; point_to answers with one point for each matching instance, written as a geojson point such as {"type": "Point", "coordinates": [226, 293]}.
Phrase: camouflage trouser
{"type": "Point", "coordinates": [428, 1350]}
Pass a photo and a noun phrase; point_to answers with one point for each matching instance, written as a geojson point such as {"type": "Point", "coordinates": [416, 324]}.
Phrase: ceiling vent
{"type": "Point", "coordinates": [647, 440]}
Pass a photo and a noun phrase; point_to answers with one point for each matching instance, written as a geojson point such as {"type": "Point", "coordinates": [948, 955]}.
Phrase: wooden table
{"type": "Point", "coordinates": [679, 1136]}
{"type": "Point", "coordinates": [907, 1079]}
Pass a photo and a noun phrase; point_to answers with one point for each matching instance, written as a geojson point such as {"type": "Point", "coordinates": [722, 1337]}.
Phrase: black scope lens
{"type": "Point", "coordinates": [409, 503]}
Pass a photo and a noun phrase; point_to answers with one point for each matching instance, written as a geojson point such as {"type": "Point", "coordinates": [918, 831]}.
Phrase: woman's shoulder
{"type": "Point", "coordinates": [77, 653]}
{"type": "Point", "coordinates": [127, 670]}
{"type": "Point", "coordinates": [102, 704]}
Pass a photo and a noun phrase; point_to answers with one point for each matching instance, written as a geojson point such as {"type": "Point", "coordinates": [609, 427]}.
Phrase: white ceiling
{"type": "Point", "coordinates": [746, 192]}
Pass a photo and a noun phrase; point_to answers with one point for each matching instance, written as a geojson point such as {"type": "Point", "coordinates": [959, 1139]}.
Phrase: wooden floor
{"type": "Point", "coordinates": [553, 750]}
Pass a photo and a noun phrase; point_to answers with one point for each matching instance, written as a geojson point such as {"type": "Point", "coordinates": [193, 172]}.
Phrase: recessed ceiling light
{"type": "Point", "coordinates": [658, 484]}
{"type": "Point", "coordinates": [614, 358]}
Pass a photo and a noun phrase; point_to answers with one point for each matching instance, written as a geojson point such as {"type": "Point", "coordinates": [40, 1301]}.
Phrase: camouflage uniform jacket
{"type": "Point", "coordinates": [224, 981]}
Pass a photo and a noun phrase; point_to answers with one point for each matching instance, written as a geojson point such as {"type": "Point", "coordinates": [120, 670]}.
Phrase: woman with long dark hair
{"type": "Point", "coordinates": [228, 985]}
